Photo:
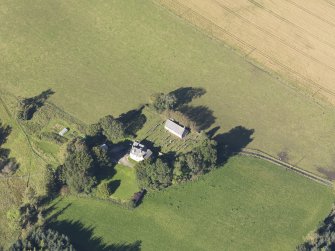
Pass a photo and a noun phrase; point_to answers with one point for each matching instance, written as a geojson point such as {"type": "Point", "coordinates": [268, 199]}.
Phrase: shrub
{"type": "Point", "coordinates": [103, 190]}
{"type": "Point", "coordinates": [53, 137]}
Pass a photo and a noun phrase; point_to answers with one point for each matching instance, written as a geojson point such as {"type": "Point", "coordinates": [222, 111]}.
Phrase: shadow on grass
{"type": "Point", "coordinates": [185, 95]}
{"type": "Point", "coordinates": [31, 105]}
{"type": "Point", "coordinates": [202, 116]}
{"type": "Point", "coordinates": [7, 165]}
{"type": "Point", "coordinates": [83, 238]}
{"type": "Point", "coordinates": [102, 173]}
{"type": "Point", "coordinates": [114, 185]}
{"type": "Point", "coordinates": [133, 121]}
{"type": "Point", "coordinates": [231, 143]}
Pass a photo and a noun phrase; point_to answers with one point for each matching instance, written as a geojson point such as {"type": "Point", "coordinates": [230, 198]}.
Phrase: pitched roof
{"type": "Point", "coordinates": [140, 150]}
{"type": "Point", "coordinates": [175, 128]}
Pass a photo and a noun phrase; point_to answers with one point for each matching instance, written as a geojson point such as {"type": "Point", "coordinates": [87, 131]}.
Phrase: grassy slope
{"type": "Point", "coordinates": [94, 54]}
{"type": "Point", "coordinates": [247, 205]}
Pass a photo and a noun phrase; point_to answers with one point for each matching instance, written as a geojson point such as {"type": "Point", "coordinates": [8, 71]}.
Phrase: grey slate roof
{"type": "Point", "coordinates": [175, 128]}
{"type": "Point", "coordinates": [140, 150]}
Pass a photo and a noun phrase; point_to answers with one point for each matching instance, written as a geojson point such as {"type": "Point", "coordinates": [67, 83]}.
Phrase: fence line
{"type": "Point", "coordinates": [265, 156]}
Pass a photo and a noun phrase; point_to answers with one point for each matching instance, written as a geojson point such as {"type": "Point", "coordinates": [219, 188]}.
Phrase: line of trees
{"type": "Point", "coordinates": [43, 239]}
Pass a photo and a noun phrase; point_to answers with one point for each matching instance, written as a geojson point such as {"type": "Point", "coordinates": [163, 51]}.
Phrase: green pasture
{"type": "Point", "coordinates": [106, 57]}
{"type": "Point", "coordinates": [247, 205]}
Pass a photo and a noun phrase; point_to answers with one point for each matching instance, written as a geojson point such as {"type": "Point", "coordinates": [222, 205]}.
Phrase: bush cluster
{"type": "Point", "coordinates": [156, 174]}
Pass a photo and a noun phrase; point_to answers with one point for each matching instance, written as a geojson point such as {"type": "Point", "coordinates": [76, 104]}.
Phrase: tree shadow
{"type": "Point", "coordinates": [51, 209]}
{"type": "Point", "coordinates": [104, 173]}
{"type": "Point", "coordinates": [169, 158]}
{"type": "Point", "coordinates": [151, 145]}
{"type": "Point", "coordinates": [114, 185]}
{"type": "Point", "coordinates": [213, 131]}
{"type": "Point", "coordinates": [5, 131]}
{"type": "Point", "coordinates": [185, 95]}
{"type": "Point", "coordinates": [7, 165]}
{"type": "Point", "coordinates": [30, 105]}
{"type": "Point", "coordinates": [133, 121]}
{"type": "Point", "coordinates": [232, 142]}
{"type": "Point", "coordinates": [202, 116]}
{"type": "Point", "coordinates": [83, 238]}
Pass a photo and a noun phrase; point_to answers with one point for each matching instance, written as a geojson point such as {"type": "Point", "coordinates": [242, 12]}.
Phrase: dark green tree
{"type": "Point", "coordinates": [51, 182]}
{"type": "Point", "coordinates": [78, 167]}
{"type": "Point", "coordinates": [153, 174]}
{"type": "Point", "coordinates": [101, 157]}
{"type": "Point", "coordinates": [200, 160]}
{"type": "Point", "coordinates": [162, 102]}
{"type": "Point", "coordinates": [113, 129]}
{"type": "Point", "coordinates": [43, 239]}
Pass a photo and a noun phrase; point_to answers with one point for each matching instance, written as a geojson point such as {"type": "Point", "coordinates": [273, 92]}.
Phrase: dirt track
{"type": "Point", "coordinates": [293, 37]}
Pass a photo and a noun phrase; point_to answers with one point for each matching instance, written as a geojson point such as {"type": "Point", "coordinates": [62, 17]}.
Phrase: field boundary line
{"type": "Point", "coordinates": [176, 7]}
{"type": "Point", "coordinates": [267, 157]}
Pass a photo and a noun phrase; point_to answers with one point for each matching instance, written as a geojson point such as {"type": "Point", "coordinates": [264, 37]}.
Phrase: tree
{"type": "Point", "coordinates": [28, 106]}
{"type": "Point", "coordinates": [78, 167]}
{"type": "Point", "coordinates": [162, 102]}
{"type": "Point", "coordinates": [153, 174]}
{"type": "Point", "coordinates": [200, 160]}
{"type": "Point", "coordinates": [50, 180]}
{"type": "Point", "coordinates": [113, 129]}
{"type": "Point", "coordinates": [43, 239]}
{"type": "Point", "coordinates": [101, 157]}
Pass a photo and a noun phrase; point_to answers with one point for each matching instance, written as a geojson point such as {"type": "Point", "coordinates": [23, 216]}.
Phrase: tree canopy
{"type": "Point", "coordinates": [153, 174]}
{"type": "Point", "coordinates": [162, 102]}
{"type": "Point", "coordinates": [78, 167]}
{"type": "Point", "coordinates": [112, 128]}
{"type": "Point", "coordinates": [43, 239]}
{"type": "Point", "coordinates": [200, 160]}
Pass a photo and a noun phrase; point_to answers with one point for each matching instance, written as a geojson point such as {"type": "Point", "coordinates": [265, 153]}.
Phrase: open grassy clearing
{"type": "Point", "coordinates": [124, 183]}
{"type": "Point", "coordinates": [247, 205]}
{"type": "Point", "coordinates": [292, 37]}
{"type": "Point", "coordinates": [107, 57]}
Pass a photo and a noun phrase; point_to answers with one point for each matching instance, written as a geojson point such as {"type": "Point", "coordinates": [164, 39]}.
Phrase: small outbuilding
{"type": "Point", "coordinates": [104, 147]}
{"type": "Point", "coordinates": [63, 131]}
{"type": "Point", "coordinates": [176, 129]}
{"type": "Point", "coordinates": [139, 152]}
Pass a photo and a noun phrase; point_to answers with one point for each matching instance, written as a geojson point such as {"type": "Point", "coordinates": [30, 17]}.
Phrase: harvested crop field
{"type": "Point", "coordinates": [292, 37]}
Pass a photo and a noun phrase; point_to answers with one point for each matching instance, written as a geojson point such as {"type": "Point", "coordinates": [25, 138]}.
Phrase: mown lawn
{"type": "Point", "coordinates": [104, 57]}
{"type": "Point", "coordinates": [247, 205]}
{"type": "Point", "coordinates": [125, 184]}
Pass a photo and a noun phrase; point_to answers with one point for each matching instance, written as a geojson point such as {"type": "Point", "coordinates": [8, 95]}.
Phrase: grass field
{"type": "Point", "coordinates": [95, 54]}
{"type": "Point", "coordinates": [247, 205]}
{"type": "Point", "coordinates": [290, 36]}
